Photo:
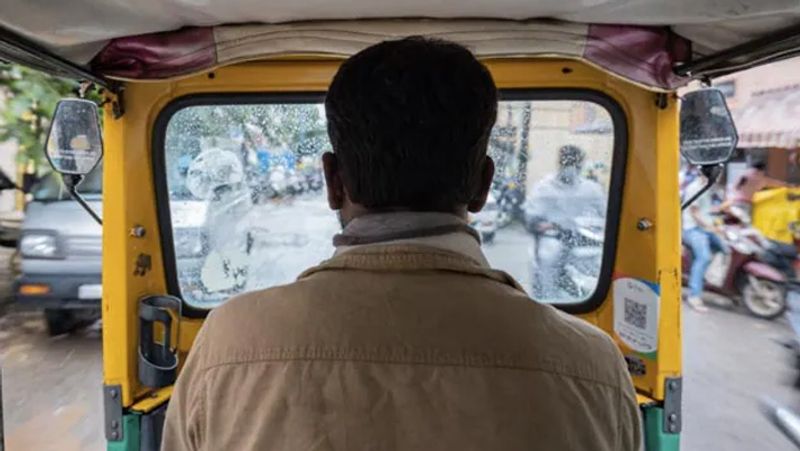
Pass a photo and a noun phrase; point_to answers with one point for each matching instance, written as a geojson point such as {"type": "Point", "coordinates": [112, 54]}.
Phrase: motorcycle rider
{"type": "Point", "coordinates": [751, 181]}
{"type": "Point", "coordinates": [217, 176]}
{"type": "Point", "coordinates": [555, 206]}
{"type": "Point", "coordinates": [699, 234]}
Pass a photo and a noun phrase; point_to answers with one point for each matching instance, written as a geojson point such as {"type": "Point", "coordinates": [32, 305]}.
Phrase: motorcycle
{"type": "Point", "coordinates": [566, 262]}
{"type": "Point", "coordinates": [754, 274]}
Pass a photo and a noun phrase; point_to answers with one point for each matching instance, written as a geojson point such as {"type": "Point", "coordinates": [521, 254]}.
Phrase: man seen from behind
{"type": "Point", "coordinates": [405, 339]}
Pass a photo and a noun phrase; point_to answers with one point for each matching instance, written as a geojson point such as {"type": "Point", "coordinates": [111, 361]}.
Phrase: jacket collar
{"type": "Point", "coordinates": [409, 257]}
{"type": "Point", "coordinates": [437, 230]}
{"type": "Point", "coordinates": [384, 227]}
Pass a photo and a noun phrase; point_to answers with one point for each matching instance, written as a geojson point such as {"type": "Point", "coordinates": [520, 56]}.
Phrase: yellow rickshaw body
{"type": "Point", "coordinates": [634, 58]}
{"type": "Point", "coordinates": [648, 237]}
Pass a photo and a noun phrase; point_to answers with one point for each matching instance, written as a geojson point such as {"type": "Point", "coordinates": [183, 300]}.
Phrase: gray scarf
{"type": "Point", "coordinates": [384, 227]}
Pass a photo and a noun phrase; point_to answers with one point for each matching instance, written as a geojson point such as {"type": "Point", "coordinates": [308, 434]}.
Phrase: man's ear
{"type": "Point", "coordinates": [333, 181]}
{"type": "Point", "coordinates": [487, 174]}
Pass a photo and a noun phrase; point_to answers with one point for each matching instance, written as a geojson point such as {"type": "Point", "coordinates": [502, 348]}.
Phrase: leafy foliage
{"type": "Point", "coordinates": [298, 127]}
{"type": "Point", "coordinates": [30, 98]}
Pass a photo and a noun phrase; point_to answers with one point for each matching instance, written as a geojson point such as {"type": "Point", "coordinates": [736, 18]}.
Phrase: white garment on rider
{"type": "Point", "coordinates": [564, 200]}
{"type": "Point", "coordinates": [701, 206]}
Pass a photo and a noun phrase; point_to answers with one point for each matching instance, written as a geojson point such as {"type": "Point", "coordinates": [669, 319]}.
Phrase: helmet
{"type": "Point", "coordinates": [212, 169]}
{"type": "Point", "coordinates": [570, 156]}
{"type": "Point", "coordinates": [756, 160]}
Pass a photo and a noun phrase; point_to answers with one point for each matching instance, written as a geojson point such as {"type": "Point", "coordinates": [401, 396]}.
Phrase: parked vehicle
{"type": "Point", "coordinates": [748, 273]}
{"type": "Point", "coordinates": [10, 221]}
{"type": "Point", "coordinates": [10, 228]}
{"type": "Point", "coordinates": [61, 254]}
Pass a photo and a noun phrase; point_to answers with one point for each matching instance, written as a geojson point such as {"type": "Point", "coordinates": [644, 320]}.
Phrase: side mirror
{"type": "Point", "coordinates": [74, 145]}
{"type": "Point", "coordinates": [708, 134]}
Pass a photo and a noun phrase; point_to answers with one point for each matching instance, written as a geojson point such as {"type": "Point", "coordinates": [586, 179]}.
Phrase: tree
{"type": "Point", "coordinates": [297, 127]}
{"type": "Point", "coordinates": [30, 98]}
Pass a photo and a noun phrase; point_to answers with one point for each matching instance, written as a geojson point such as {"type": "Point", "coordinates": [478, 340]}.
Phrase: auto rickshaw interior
{"type": "Point", "coordinates": [212, 183]}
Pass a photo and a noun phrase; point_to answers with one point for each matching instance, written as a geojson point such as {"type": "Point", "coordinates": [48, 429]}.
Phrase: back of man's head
{"type": "Point", "coordinates": [409, 121]}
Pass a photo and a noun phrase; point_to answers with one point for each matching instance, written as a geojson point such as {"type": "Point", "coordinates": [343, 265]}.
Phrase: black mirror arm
{"type": "Point", "coordinates": [711, 173]}
{"type": "Point", "coordinates": [18, 188]}
{"type": "Point", "coordinates": [7, 183]}
{"type": "Point", "coordinates": [72, 181]}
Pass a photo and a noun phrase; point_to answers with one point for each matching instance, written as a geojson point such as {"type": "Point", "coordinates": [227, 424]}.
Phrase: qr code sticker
{"type": "Point", "coordinates": [635, 313]}
{"type": "Point", "coordinates": [636, 305]}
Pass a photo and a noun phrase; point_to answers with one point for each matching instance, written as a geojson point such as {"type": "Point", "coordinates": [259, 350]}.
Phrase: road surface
{"type": "Point", "coordinates": [52, 386]}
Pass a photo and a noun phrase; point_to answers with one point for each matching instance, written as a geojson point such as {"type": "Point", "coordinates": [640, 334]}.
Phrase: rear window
{"type": "Point", "coordinates": [244, 194]}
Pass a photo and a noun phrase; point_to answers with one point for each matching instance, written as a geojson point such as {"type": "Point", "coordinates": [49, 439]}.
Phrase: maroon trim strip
{"type": "Point", "coordinates": [642, 54]}
{"type": "Point", "coordinates": [158, 55]}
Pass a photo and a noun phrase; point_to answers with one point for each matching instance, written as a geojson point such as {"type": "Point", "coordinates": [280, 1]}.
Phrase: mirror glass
{"type": "Point", "coordinates": [74, 145]}
{"type": "Point", "coordinates": [708, 134]}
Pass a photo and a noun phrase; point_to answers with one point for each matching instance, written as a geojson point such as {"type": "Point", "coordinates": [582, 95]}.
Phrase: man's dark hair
{"type": "Point", "coordinates": [409, 121]}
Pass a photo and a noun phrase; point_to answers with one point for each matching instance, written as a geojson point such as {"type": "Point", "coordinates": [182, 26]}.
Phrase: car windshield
{"type": "Point", "coordinates": [248, 209]}
{"type": "Point", "coordinates": [50, 186]}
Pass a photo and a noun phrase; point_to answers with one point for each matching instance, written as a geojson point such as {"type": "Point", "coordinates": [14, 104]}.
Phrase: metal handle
{"type": "Point", "coordinates": [158, 362]}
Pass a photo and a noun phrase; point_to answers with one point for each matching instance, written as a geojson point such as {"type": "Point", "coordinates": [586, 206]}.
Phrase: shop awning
{"type": "Point", "coordinates": [770, 118]}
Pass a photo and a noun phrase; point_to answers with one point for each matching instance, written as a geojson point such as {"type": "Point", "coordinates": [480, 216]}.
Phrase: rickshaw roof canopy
{"type": "Point", "coordinates": [102, 35]}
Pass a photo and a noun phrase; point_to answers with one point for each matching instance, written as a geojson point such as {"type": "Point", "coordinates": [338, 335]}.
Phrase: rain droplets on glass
{"type": "Point", "coordinates": [248, 208]}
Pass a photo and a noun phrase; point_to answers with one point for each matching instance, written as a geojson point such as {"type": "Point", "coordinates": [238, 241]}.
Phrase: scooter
{"type": "Point", "coordinates": [574, 257]}
{"type": "Point", "coordinates": [744, 275]}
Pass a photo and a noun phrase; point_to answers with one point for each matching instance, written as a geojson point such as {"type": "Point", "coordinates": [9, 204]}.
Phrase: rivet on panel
{"type": "Point", "coordinates": [138, 231]}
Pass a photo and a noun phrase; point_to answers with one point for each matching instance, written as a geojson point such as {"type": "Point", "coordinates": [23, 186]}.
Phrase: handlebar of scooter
{"type": "Point", "coordinates": [573, 236]}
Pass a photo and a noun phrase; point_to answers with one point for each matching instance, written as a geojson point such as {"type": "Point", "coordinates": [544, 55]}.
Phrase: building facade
{"type": "Point", "coordinates": [765, 102]}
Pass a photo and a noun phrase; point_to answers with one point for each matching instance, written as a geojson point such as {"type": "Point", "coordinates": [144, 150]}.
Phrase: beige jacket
{"type": "Point", "coordinates": [400, 347]}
